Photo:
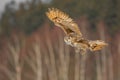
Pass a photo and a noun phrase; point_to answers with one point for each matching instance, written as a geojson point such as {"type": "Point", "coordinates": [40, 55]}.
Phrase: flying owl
{"type": "Point", "coordinates": [73, 36]}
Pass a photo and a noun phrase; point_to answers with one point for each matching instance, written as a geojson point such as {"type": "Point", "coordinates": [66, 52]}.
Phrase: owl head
{"type": "Point", "coordinates": [69, 40]}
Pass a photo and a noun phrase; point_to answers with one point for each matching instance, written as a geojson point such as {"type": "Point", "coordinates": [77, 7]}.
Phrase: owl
{"type": "Point", "coordinates": [73, 35]}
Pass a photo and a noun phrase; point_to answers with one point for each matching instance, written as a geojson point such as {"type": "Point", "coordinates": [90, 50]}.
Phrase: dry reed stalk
{"type": "Point", "coordinates": [34, 60]}
{"type": "Point", "coordinates": [103, 52]}
{"type": "Point", "coordinates": [37, 50]}
{"type": "Point", "coordinates": [30, 61]}
{"type": "Point", "coordinates": [98, 67]}
{"type": "Point", "coordinates": [82, 67]}
{"type": "Point", "coordinates": [118, 57]}
{"type": "Point", "coordinates": [77, 66]}
{"type": "Point", "coordinates": [52, 72]}
{"type": "Point", "coordinates": [7, 72]}
{"type": "Point", "coordinates": [110, 66]}
{"type": "Point", "coordinates": [63, 54]}
{"type": "Point", "coordinates": [15, 55]}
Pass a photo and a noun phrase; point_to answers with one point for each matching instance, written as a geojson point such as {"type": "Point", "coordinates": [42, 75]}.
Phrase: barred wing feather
{"type": "Point", "coordinates": [63, 21]}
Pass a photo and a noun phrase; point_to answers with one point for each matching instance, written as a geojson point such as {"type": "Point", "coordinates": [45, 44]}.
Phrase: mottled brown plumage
{"type": "Point", "coordinates": [73, 35]}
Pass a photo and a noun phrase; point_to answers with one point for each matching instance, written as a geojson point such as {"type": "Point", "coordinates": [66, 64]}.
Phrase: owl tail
{"type": "Point", "coordinates": [96, 45]}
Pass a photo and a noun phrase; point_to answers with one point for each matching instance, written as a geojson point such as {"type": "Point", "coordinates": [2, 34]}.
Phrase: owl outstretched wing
{"type": "Point", "coordinates": [96, 45]}
{"type": "Point", "coordinates": [63, 21]}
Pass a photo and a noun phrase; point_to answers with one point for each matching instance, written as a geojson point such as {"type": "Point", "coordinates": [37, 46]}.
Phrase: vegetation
{"type": "Point", "coordinates": [44, 56]}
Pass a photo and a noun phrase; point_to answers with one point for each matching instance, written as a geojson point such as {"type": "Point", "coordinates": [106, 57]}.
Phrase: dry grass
{"type": "Point", "coordinates": [44, 56]}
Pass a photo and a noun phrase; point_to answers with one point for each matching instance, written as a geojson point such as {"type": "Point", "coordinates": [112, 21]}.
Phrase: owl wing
{"type": "Point", "coordinates": [97, 45]}
{"type": "Point", "coordinates": [63, 21]}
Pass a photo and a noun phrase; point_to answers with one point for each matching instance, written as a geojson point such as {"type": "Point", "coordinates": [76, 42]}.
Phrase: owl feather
{"type": "Point", "coordinates": [63, 21]}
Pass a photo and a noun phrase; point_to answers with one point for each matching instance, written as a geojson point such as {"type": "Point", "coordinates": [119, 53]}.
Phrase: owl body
{"type": "Point", "coordinates": [73, 36]}
{"type": "Point", "coordinates": [80, 44]}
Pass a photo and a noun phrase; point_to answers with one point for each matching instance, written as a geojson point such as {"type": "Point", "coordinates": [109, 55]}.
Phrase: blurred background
{"type": "Point", "coordinates": [32, 47]}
